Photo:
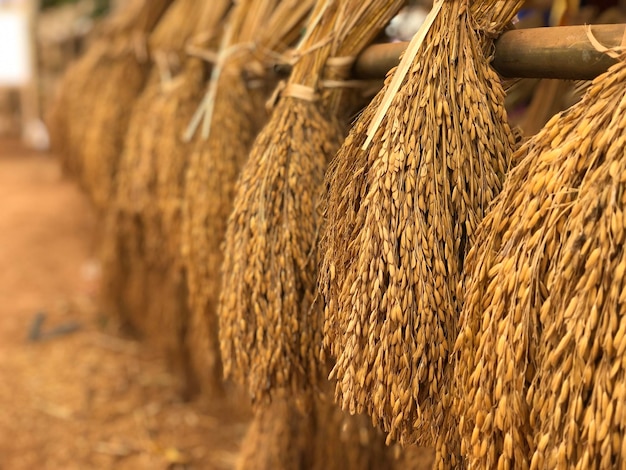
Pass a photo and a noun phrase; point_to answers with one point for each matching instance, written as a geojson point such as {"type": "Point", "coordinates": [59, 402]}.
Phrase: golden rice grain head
{"type": "Point", "coordinates": [391, 300]}
{"type": "Point", "coordinates": [270, 338]}
{"type": "Point", "coordinates": [536, 295]}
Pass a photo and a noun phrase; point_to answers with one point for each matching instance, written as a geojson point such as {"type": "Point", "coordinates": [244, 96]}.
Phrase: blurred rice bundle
{"type": "Point", "coordinates": [406, 192]}
{"type": "Point", "coordinates": [270, 330]}
{"type": "Point", "coordinates": [100, 165]}
{"type": "Point", "coordinates": [541, 346]}
{"type": "Point", "coordinates": [90, 115]}
{"type": "Point", "coordinates": [143, 279]}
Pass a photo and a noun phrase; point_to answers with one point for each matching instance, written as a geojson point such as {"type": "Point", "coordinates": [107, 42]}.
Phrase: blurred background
{"type": "Point", "coordinates": [39, 38]}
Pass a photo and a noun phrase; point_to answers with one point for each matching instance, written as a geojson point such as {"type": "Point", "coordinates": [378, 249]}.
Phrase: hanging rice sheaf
{"type": "Point", "coordinates": [143, 281]}
{"type": "Point", "coordinates": [234, 111]}
{"type": "Point", "coordinates": [91, 111]}
{"type": "Point", "coordinates": [540, 352]}
{"type": "Point", "coordinates": [103, 151]}
{"type": "Point", "coordinates": [405, 194]}
{"type": "Point", "coordinates": [270, 334]}
{"type": "Point", "coordinates": [131, 199]}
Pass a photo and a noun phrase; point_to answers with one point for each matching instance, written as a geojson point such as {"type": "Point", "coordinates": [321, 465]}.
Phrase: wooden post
{"type": "Point", "coordinates": [560, 52]}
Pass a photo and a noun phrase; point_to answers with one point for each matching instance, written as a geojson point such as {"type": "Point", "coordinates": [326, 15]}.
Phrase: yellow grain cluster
{"type": "Point", "coordinates": [402, 212]}
{"type": "Point", "coordinates": [541, 347]}
{"type": "Point", "coordinates": [159, 117]}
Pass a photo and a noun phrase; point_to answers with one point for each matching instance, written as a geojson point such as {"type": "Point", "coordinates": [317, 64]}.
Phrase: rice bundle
{"type": "Point", "coordinates": [96, 91]}
{"type": "Point", "coordinates": [269, 334]}
{"type": "Point", "coordinates": [177, 106]}
{"type": "Point", "coordinates": [257, 32]}
{"type": "Point", "coordinates": [162, 233]}
{"type": "Point", "coordinates": [137, 169]}
{"type": "Point", "coordinates": [129, 202]}
{"type": "Point", "coordinates": [118, 53]}
{"type": "Point", "coordinates": [406, 192]}
{"type": "Point", "coordinates": [156, 302]}
{"type": "Point", "coordinates": [540, 349]}
{"type": "Point", "coordinates": [102, 149]}
{"type": "Point", "coordinates": [172, 155]}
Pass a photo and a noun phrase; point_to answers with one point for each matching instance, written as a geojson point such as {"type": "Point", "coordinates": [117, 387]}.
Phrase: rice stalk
{"type": "Point", "coordinates": [405, 194]}
{"type": "Point", "coordinates": [539, 353]}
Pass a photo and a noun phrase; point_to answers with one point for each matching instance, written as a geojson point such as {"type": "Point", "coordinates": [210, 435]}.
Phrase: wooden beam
{"type": "Point", "coordinates": [559, 52]}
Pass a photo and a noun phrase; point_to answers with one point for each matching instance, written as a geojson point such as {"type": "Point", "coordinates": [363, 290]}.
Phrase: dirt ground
{"type": "Point", "coordinates": [73, 393]}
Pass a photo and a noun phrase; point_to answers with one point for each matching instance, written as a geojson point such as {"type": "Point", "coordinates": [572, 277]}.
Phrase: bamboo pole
{"type": "Point", "coordinates": [563, 52]}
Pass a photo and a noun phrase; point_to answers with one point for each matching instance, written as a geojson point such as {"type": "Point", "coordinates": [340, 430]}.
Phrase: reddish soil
{"type": "Point", "coordinates": [78, 394]}
{"type": "Point", "coordinates": [86, 398]}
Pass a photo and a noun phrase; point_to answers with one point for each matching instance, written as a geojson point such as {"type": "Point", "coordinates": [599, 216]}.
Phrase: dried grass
{"type": "Point", "coordinates": [401, 212]}
{"type": "Point", "coordinates": [270, 334]}
{"type": "Point", "coordinates": [540, 351]}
